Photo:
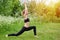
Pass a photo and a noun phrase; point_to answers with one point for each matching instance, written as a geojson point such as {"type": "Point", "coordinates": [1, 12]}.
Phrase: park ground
{"type": "Point", "coordinates": [45, 31]}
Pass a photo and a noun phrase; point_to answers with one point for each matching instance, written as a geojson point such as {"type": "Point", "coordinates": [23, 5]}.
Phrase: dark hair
{"type": "Point", "coordinates": [23, 11]}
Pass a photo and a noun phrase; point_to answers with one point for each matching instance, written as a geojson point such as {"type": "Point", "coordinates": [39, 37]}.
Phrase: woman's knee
{"type": "Point", "coordinates": [34, 27]}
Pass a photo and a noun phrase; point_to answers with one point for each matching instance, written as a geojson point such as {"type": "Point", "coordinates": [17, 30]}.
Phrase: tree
{"type": "Point", "coordinates": [42, 12]}
{"type": "Point", "coordinates": [32, 6]}
{"type": "Point", "coordinates": [10, 7]}
{"type": "Point", "coordinates": [57, 9]}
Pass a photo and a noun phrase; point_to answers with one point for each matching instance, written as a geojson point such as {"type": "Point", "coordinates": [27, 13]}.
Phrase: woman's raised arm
{"type": "Point", "coordinates": [26, 9]}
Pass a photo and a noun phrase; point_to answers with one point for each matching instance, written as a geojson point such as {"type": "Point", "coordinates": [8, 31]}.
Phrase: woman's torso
{"type": "Point", "coordinates": [26, 22]}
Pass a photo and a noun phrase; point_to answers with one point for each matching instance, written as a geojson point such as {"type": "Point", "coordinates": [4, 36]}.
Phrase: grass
{"type": "Point", "coordinates": [45, 31]}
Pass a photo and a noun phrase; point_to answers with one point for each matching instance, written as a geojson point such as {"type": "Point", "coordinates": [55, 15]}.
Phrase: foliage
{"type": "Point", "coordinates": [10, 7]}
{"type": "Point", "coordinates": [57, 8]}
{"type": "Point", "coordinates": [32, 6]}
{"type": "Point", "coordinates": [43, 12]}
{"type": "Point", "coordinates": [8, 23]}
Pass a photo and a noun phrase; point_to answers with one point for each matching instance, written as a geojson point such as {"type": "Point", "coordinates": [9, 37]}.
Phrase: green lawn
{"type": "Point", "coordinates": [45, 31]}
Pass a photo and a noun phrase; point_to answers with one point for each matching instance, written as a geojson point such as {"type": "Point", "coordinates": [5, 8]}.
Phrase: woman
{"type": "Point", "coordinates": [26, 26]}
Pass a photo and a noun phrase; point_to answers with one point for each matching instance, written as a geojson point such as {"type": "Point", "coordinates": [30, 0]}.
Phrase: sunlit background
{"type": "Point", "coordinates": [53, 4]}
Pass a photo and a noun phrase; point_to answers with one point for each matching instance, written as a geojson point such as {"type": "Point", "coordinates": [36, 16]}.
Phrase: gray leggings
{"type": "Point", "coordinates": [23, 30]}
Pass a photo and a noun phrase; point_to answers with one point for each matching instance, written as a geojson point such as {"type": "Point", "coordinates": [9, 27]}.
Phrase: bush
{"type": "Point", "coordinates": [10, 7]}
{"type": "Point", "coordinates": [9, 24]}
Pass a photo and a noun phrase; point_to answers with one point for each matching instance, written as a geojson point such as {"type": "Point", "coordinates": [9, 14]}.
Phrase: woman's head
{"type": "Point", "coordinates": [25, 12]}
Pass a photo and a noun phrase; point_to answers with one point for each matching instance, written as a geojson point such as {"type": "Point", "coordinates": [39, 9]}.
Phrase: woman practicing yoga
{"type": "Point", "coordinates": [26, 26]}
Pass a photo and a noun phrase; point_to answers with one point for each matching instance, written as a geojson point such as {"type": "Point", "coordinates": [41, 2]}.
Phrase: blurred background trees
{"type": "Point", "coordinates": [10, 7]}
{"type": "Point", "coordinates": [45, 10]}
{"type": "Point", "coordinates": [57, 9]}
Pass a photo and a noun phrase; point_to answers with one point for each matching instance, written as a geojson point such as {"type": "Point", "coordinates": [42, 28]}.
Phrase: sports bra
{"type": "Point", "coordinates": [26, 20]}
